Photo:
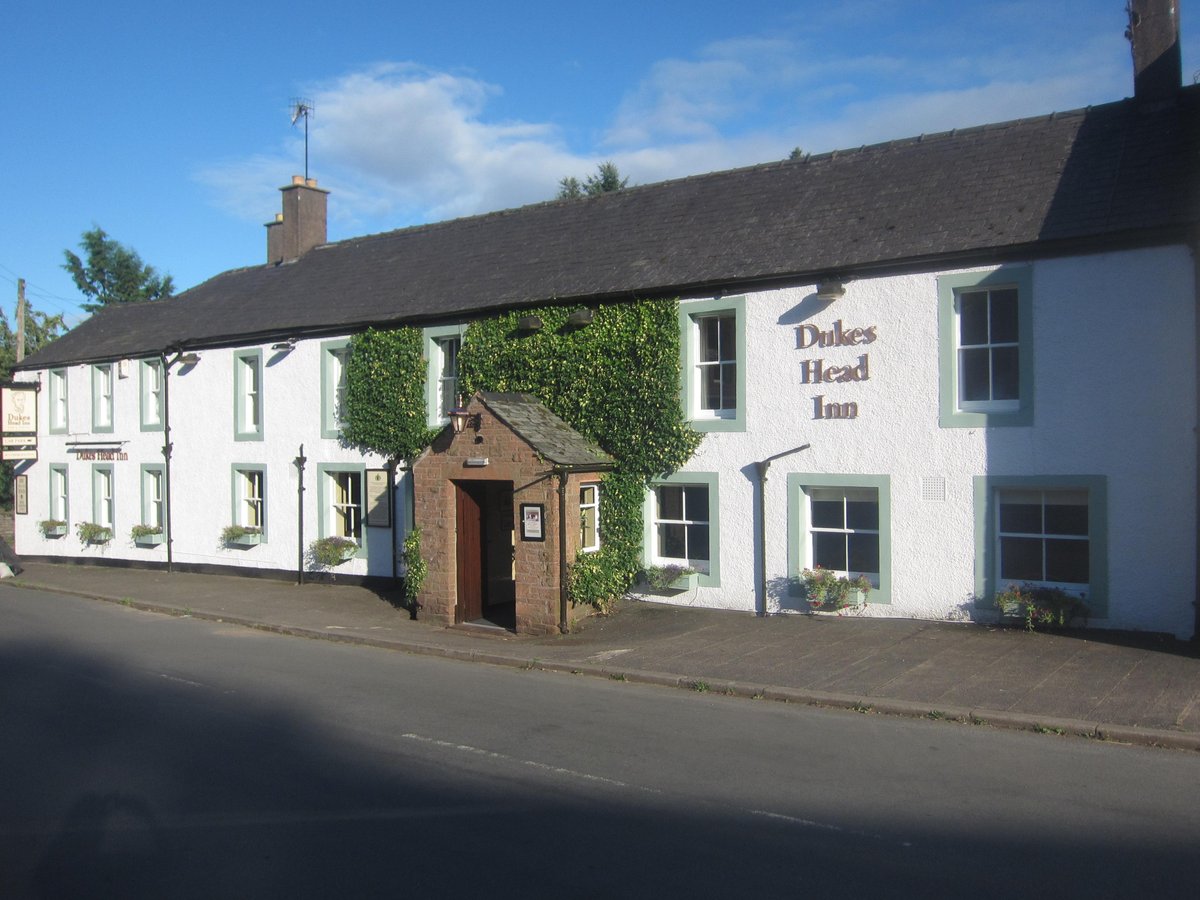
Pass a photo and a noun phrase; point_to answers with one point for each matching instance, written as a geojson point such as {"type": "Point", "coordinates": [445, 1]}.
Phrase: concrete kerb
{"type": "Point", "coordinates": [1124, 734]}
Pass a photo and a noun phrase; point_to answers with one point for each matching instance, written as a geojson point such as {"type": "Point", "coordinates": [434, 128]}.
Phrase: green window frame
{"type": "Point", "coordinates": [952, 411]}
{"type": "Point", "coordinates": [697, 364]}
{"type": "Point", "coordinates": [59, 413]}
{"type": "Point", "coordinates": [151, 386]}
{"type": "Point", "coordinates": [248, 409]}
{"type": "Point", "coordinates": [59, 506]}
{"type": "Point", "coordinates": [248, 497]}
{"type": "Point", "coordinates": [711, 482]}
{"type": "Point", "coordinates": [440, 388]}
{"type": "Point", "coordinates": [329, 477]}
{"type": "Point", "coordinates": [104, 496]}
{"type": "Point", "coordinates": [154, 501]}
{"type": "Point", "coordinates": [799, 488]}
{"type": "Point", "coordinates": [987, 492]}
{"type": "Point", "coordinates": [103, 385]}
{"type": "Point", "coordinates": [334, 356]}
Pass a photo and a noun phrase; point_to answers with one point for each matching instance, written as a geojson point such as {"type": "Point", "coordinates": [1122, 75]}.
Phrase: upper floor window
{"type": "Point", "coordinates": [59, 412]}
{"type": "Point", "coordinates": [713, 351]}
{"type": "Point", "coordinates": [589, 517]}
{"type": "Point", "coordinates": [986, 348]}
{"type": "Point", "coordinates": [335, 355]}
{"type": "Point", "coordinates": [248, 397]}
{"type": "Point", "coordinates": [442, 346]}
{"type": "Point", "coordinates": [102, 397]}
{"type": "Point", "coordinates": [151, 399]}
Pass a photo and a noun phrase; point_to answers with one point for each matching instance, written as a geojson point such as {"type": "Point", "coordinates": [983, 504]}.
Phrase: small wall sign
{"type": "Point", "coordinates": [532, 516]}
{"type": "Point", "coordinates": [21, 495]}
{"type": "Point", "coordinates": [379, 499]}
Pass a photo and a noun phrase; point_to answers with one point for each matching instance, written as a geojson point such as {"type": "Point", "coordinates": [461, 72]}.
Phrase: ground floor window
{"type": "Point", "coordinates": [589, 517]}
{"type": "Point", "coordinates": [1049, 531]}
{"type": "Point", "coordinates": [841, 523]}
{"type": "Point", "coordinates": [102, 496]}
{"type": "Point", "coordinates": [58, 494]}
{"type": "Point", "coordinates": [250, 497]}
{"type": "Point", "coordinates": [152, 496]}
{"type": "Point", "coordinates": [344, 493]}
{"type": "Point", "coordinates": [682, 516]}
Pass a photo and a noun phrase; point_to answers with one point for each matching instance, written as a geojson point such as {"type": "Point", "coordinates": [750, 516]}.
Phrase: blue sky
{"type": "Point", "coordinates": [168, 124]}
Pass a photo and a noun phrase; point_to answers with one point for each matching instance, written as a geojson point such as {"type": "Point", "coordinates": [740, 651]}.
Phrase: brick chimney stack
{"type": "Point", "coordinates": [301, 225]}
{"type": "Point", "coordinates": [1153, 33]}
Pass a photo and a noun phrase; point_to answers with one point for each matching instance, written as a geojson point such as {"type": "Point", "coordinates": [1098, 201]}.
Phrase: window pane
{"type": "Point", "coordinates": [863, 552]}
{"type": "Point", "coordinates": [1021, 559]}
{"type": "Point", "coordinates": [710, 340]}
{"type": "Point", "coordinates": [587, 495]}
{"type": "Point", "coordinates": [860, 514]}
{"type": "Point", "coordinates": [1065, 518]}
{"type": "Point", "coordinates": [729, 385]}
{"type": "Point", "coordinates": [829, 550]}
{"type": "Point", "coordinates": [710, 388]}
{"type": "Point", "coordinates": [696, 505]}
{"type": "Point", "coordinates": [1004, 316]}
{"type": "Point", "coordinates": [1067, 561]}
{"type": "Point", "coordinates": [1020, 518]}
{"type": "Point", "coordinates": [670, 502]}
{"type": "Point", "coordinates": [671, 542]}
{"type": "Point", "coordinates": [1006, 373]}
{"type": "Point", "coordinates": [828, 513]}
{"type": "Point", "coordinates": [972, 318]}
{"type": "Point", "coordinates": [974, 379]}
{"type": "Point", "coordinates": [697, 538]}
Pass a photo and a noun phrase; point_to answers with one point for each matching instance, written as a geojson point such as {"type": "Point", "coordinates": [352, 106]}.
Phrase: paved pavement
{"type": "Point", "coordinates": [1140, 689]}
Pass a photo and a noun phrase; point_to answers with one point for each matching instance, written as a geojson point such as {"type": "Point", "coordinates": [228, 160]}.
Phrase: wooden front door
{"type": "Point", "coordinates": [471, 575]}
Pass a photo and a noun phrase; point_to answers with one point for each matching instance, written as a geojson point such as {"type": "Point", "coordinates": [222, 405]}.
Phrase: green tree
{"type": "Point", "coordinates": [40, 329]}
{"type": "Point", "coordinates": [607, 179]}
{"type": "Point", "coordinates": [114, 273]}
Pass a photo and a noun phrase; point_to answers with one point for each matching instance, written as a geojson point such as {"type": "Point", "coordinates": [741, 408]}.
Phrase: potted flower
{"type": "Point", "coordinates": [826, 591]}
{"type": "Point", "coordinates": [669, 579]}
{"type": "Point", "coordinates": [1037, 605]}
{"type": "Point", "coordinates": [146, 535]}
{"type": "Point", "coordinates": [331, 551]}
{"type": "Point", "coordinates": [52, 528]}
{"type": "Point", "coordinates": [91, 533]}
{"type": "Point", "coordinates": [241, 535]}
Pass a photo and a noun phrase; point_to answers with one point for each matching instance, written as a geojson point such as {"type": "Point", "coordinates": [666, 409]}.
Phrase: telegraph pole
{"type": "Point", "coordinates": [20, 319]}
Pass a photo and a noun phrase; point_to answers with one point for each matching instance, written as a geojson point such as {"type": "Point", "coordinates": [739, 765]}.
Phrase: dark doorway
{"type": "Point", "coordinates": [486, 590]}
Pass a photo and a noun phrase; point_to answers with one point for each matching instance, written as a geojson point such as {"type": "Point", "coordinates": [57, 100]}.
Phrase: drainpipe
{"type": "Point", "coordinates": [1195, 248]}
{"type": "Point", "coordinates": [299, 462]}
{"type": "Point", "coordinates": [166, 451]}
{"type": "Point", "coordinates": [563, 627]}
{"type": "Point", "coordinates": [763, 466]}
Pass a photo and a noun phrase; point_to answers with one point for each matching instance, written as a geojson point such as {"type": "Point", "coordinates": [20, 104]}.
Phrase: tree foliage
{"type": "Point", "coordinates": [606, 180]}
{"type": "Point", "coordinates": [114, 273]}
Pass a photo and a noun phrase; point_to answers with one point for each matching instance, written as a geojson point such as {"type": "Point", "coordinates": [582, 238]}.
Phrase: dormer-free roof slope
{"type": "Point", "coordinates": [1122, 174]}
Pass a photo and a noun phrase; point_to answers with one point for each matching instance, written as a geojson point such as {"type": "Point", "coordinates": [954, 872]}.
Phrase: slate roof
{"type": "Point", "coordinates": [1114, 175]}
{"type": "Point", "coordinates": [545, 432]}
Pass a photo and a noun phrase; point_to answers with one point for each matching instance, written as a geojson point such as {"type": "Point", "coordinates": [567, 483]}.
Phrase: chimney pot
{"type": "Point", "coordinates": [297, 179]}
{"type": "Point", "coordinates": [302, 224]}
{"type": "Point", "coordinates": [1153, 34]}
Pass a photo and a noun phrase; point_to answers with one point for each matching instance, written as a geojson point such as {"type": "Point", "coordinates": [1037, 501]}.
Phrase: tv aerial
{"type": "Point", "coordinates": [302, 108]}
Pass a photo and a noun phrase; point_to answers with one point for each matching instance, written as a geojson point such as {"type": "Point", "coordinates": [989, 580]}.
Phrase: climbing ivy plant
{"type": "Point", "coordinates": [615, 381]}
{"type": "Point", "coordinates": [385, 393]}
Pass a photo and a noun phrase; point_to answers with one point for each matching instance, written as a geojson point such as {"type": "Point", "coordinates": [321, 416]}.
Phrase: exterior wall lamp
{"type": "Point", "coordinates": [189, 359]}
{"type": "Point", "coordinates": [830, 290]}
{"type": "Point", "coordinates": [459, 417]}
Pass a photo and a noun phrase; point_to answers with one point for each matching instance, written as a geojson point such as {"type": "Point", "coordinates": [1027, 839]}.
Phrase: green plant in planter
{"type": "Point", "coordinates": [660, 578]}
{"type": "Point", "coordinates": [141, 532]}
{"type": "Point", "coordinates": [416, 567]}
{"type": "Point", "coordinates": [1039, 605]}
{"type": "Point", "coordinates": [91, 533]}
{"type": "Point", "coordinates": [331, 551]}
{"type": "Point", "coordinates": [52, 527]}
{"type": "Point", "coordinates": [232, 534]}
{"type": "Point", "coordinates": [827, 591]}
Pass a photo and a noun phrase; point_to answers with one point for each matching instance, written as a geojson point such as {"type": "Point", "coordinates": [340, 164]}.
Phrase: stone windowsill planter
{"type": "Point", "coordinates": [328, 552]}
{"type": "Point", "coordinates": [240, 536]}
{"type": "Point", "coordinates": [149, 538]}
{"type": "Point", "coordinates": [668, 581]}
{"type": "Point", "coordinates": [91, 533]}
{"type": "Point", "coordinates": [53, 529]}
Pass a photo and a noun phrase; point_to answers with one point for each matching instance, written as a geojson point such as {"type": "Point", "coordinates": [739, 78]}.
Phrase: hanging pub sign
{"type": "Point", "coordinates": [379, 499]}
{"type": "Point", "coordinates": [18, 419]}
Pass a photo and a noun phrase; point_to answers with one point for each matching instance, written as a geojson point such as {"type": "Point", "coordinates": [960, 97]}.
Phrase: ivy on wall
{"type": "Point", "coordinates": [615, 381]}
{"type": "Point", "coordinates": [385, 393]}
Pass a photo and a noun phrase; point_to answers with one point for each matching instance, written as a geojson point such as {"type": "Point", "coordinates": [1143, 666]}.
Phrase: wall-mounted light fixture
{"type": "Point", "coordinates": [285, 346]}
{"type": "Point", "coordinates": [529, 324]}
{"type": "Point", "coordinates": [830, 290]}
{"type": "Point", "coordinates": [189, 359]}
{"type": "Point", "coordinates": [459, 416]}
{"type": "Point", "coordinates": [581, 317]}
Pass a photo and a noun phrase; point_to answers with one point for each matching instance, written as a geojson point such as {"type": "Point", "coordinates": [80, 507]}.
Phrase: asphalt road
{"type": "Point", "coordinates": [149, 756]}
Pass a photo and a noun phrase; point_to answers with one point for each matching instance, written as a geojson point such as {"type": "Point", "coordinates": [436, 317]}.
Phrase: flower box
{"type": "Point", "coordinates": [654, 583]}
{"type": "Point", "coordinates": [54, 531]}
{"type": "Point", "coordinates": [150, 540]}
{"type": "Point", "coordinates": [245, 540]}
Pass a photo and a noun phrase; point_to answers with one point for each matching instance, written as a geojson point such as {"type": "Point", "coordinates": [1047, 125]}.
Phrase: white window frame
{"type": "Point", "coordinates": [846, 530]}
{"type": "Point", "coordinates": [60, 411]}
{"type": "Point", "coordinates": [150, 376]}
{"type": "Point", "coordinates": [709, 570]}
{"type": "Point", "coordinates": [441, 390]}
{"type": "Point", "coordinates": [335, 510]}
{"type": "Point", "coordinates": [248, 404]}
{"type": "Point", "coordinates": [335, 356]}
{"type": "Point", "coordinates": [589, 508]}
{"type": "Point", "coordinates": [249, 497]}
{"type": "Point", "coordinates": [154, 509]}
{"type": "Point", "coordinates": [991, 347]}
{"type": "Point", "coordinates": [1007, 496]}
{"type": "Point", "coordinates": [103, 379]}
{"type": "Point", "coordinates": [694, 317]}
{"type": "Point", "coordinates": [104, 497]}
{"type": "Point", "coordinates": [60, 497]}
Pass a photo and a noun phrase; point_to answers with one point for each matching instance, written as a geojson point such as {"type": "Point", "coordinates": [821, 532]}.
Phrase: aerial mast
{"type": "Point", "coordinates": [302, 108]}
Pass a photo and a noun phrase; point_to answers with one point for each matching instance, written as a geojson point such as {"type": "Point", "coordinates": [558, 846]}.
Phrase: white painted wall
{"type": "Point", "coordinates": [1115, 389]}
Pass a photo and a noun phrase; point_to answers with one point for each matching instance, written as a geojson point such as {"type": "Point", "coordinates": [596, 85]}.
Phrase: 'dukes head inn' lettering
{"type": "Point", "coordinates": [817, 371]}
